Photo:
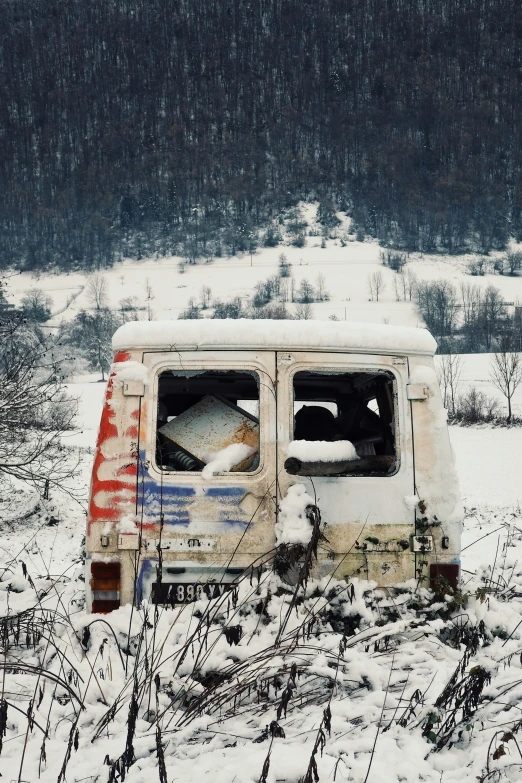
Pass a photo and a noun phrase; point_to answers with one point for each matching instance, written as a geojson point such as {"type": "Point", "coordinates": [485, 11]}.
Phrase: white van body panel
{"type": "Point", "coordinates": [362, 514]}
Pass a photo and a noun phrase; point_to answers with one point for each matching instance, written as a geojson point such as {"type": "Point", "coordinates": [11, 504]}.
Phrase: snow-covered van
{"type": "Point", "coordinates": [207, 425]}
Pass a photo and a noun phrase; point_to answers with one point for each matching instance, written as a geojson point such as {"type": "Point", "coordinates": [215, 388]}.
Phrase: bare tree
{"type": "Point", "coordinates": [305, 292]}
{"type": "Point", "coordinates": [321, 292]}
{"type": "Point", "coordinates": [451, 366]}
{"type": "Point", "coordinates": [437, 302]}
{"type": "Point", "coordinates": [470, 296]}
{"type": "Point", "coordinates": [35, 411]}
{"type": "Point", "coordinates": [206, 297]}
{"type": "Point", "coordinates": [411, 284]}
{"type": "Point", "coordinates": [304, 312]}
{"type": "Point", "coordinates": [149, 296]}
{"type": "Point", "coordinates": [506, 373]}
{"type": "Point", "coordinates": [376, 285]}
{"type": "Point", "coordinates": [129, 309]}
{"type": "Point", "coordinates": [97, 292]}
{"type": "Point", "coordinates": [491, 311]}
{"type": "Point", "coordinates": [36, 305]}
{"type": "Point", "coordinates": [284, 290]}
{"type": "Point", "coordinates": [514, 262]}
{"type": "Point", "coordinates": [371, 287]}
{"type": "Point", "coordinates": [404, 285]}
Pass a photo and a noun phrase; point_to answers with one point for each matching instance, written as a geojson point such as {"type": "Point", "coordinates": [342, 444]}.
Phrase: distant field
{"type": "Point", "coordinates": [345, 271]}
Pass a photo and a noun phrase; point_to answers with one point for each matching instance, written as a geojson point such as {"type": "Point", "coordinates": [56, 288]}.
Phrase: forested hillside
{"type": "Point", "coordinates": [139, 126]}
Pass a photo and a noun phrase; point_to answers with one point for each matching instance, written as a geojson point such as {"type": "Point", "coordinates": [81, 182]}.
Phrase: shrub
{"type": "Point", "coordinates": [276, 311]}
{"type": "Point", "coordinates": [477, 267]}
{"type": "Point", "coordinates": [271, 238]}
{"type": "Point", "coordinates": [513, 262]}
{"type": "Point", "coordinates": [393, 259]}
{"type": "Point", "coordinates": [299, 240]}
{"type": "Point", "coordinates": [284, 266]}
{"type": "Point", "coordinates": [475, 407]}
{"type": "Point", "coordinates": [191, 312]}
{"type": "Point", "coordinates": [232, 309]}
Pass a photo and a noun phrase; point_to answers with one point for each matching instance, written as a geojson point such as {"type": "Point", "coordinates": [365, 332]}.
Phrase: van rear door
{"type": "Point", "coordinates": [367, 500]}
{"type": "Point", "coordinates": [214, 519]}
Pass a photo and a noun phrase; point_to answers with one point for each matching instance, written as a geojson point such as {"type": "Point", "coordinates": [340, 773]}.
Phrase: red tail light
{"type": "Point", "coordinates": [105, 584]}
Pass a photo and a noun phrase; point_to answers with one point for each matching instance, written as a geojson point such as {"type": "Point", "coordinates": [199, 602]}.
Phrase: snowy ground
{"type": "Point", "coordinates": [381, 690]}
{"type": "Point", "coordinates": [402, 656]}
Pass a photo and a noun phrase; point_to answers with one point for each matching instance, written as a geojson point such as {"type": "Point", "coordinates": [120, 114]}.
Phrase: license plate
{"type": "Point", "coordinates": [186, 592]}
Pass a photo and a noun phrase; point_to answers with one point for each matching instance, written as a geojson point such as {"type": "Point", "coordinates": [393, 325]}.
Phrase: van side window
{"type": "Point", "coordinates": [354, 408]}
{"type": "Point", "coordinates": [207, 418]}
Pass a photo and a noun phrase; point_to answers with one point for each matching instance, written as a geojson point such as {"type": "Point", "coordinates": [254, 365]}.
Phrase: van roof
{"type": "Point", "coordinates": [244, 334]}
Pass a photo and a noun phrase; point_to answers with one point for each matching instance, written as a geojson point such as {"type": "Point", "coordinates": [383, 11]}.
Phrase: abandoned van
{"type": "Point", "coordinates": [207, 425]}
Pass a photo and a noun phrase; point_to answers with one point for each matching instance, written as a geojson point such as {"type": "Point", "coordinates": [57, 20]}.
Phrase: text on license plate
{"type": "Point", "coordinates": [185, 592]}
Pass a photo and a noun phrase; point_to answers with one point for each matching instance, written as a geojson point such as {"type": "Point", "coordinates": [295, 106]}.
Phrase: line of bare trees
{"type": "Point", "coordinates": [475, 406]}
{"type": "Point", "coordinates": [270, 299]}
{"type": "Point", "coordinates": [468, 319]}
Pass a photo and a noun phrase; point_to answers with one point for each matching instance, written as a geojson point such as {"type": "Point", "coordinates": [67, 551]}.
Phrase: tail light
{"type": "Point", "coordinates": [105, 584]}
{"type": "Point", "coordinates": [444, 576]}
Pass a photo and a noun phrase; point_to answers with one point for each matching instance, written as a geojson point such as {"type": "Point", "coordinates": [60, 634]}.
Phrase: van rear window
{"type": "Point", "coordinates": [354, 407]}
{"type": "Point", "coordinates": [208, 420]}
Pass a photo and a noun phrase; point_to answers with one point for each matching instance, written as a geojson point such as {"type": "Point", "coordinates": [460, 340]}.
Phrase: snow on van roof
{"type": "Point", "coordinates": [241, 334]}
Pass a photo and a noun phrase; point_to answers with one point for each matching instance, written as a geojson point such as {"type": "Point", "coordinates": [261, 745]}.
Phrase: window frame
{"type": "Point", "coordinates": [167, 366]}
{"type": "Point", "coordinates": [325, 369]}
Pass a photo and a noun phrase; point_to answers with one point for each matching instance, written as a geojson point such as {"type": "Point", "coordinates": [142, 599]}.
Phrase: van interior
{"type": "Point", "coordinates": [353, 406]}
{"type": "Point", "coordinates": [200, 413]}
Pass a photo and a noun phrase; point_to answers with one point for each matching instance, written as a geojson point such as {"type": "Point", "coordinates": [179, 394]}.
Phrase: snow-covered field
{"type": "Point", "coordinates": [345, 270]}
{"type": "Point", "coordinates": [390, 675]}
{"type": "Point", "coordinates": [119, 702]}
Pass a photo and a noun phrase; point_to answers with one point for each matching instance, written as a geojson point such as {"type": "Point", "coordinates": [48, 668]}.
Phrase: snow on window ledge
{"type": "Point", "coordinates": [322, 450]}
{"type": "Point", "coordinates": [225, 459]}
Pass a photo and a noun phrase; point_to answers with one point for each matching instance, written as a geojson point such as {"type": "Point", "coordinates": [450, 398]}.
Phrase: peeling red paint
{"type": "Point", "coordinates": [119, 491]}
{"type": "Point", "coordinates": [122, 356]}
{"type": "Point", "coordinates": [127, 470]}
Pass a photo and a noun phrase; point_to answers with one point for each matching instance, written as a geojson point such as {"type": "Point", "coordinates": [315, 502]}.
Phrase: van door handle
{"type": "Point", "coordinates": [417, 391]}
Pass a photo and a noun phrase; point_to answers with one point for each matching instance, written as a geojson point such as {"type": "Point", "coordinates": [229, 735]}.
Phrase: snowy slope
{"type": "Point", "coordinates": [346, 270]}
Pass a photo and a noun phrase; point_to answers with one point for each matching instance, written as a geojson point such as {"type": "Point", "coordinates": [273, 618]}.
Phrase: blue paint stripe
{"type": "Point", "coordinates": [229, 492]}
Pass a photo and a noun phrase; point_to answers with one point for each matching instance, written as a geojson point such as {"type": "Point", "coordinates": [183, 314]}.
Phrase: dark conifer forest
{"type": "Point", "coordinates": [133, 127]}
